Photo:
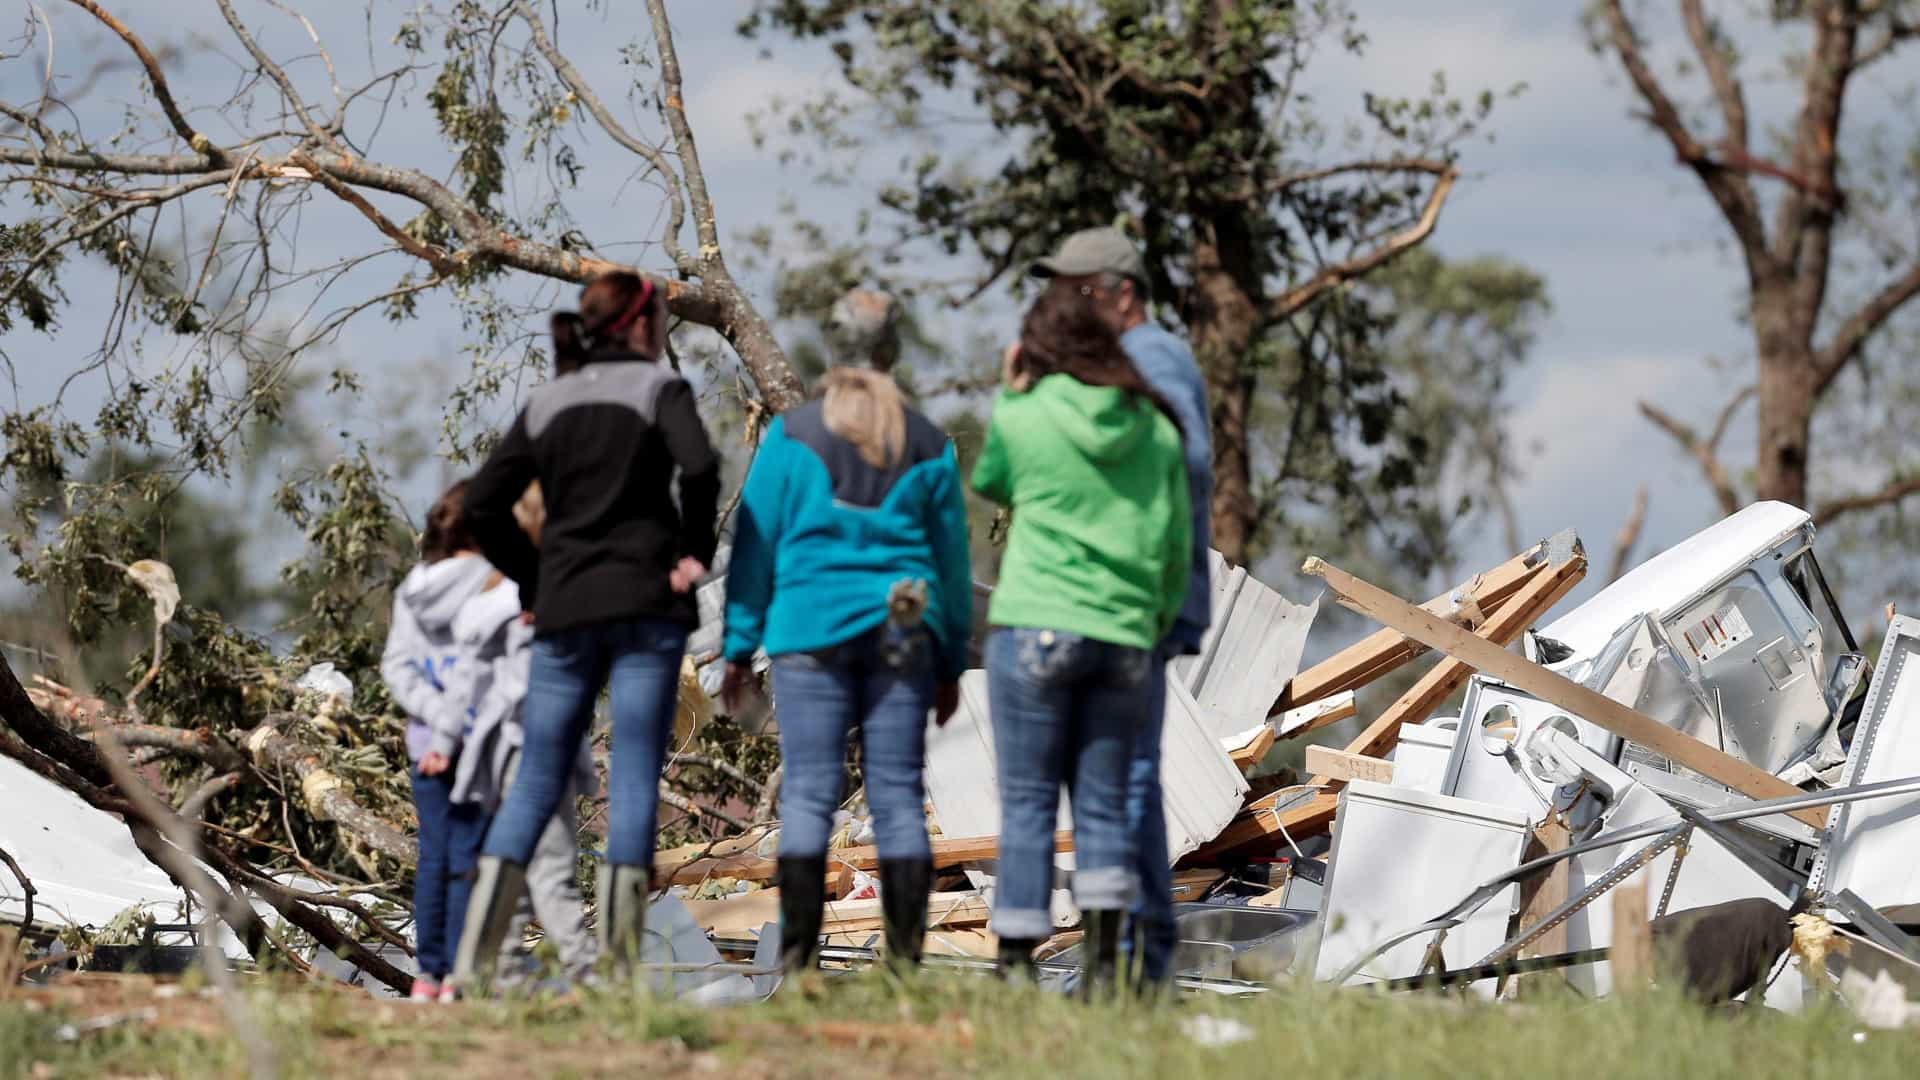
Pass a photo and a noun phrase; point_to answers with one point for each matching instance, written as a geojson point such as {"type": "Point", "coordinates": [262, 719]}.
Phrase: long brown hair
{"type": "Point", "coordinates": [447, 534]}
{"type": "Point", "coordinates": [610, 306]}
{"type": "Point", "coordinates": [1063, 334]}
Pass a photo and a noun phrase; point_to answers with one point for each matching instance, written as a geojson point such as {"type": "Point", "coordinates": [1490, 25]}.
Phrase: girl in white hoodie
{"type": "Point", "coordinates": [419, 661]}
{"type": "Point", "coordinates": [496, 649]}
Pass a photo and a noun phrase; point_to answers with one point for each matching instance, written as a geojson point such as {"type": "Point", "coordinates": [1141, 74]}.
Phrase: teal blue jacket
{"type": "Point", "coordinates": [821, 537]}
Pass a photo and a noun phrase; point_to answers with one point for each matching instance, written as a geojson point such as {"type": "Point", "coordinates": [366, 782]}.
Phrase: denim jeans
{"type": "Point", "coordinates": [1151, 916]}
{"type": "Point", "coordinates": [640, 660]}
{"type": "Point", "coordinates": [883, 681]}
{"type": "Point", "coordinates": [1065, 711]}
{"type": "Point", "coordinates": [449, 839]}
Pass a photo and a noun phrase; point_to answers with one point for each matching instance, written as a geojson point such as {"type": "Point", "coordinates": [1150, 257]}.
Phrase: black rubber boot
{"type": "Point", "coordinates": [497, 887]}
{"type": "Point", "coordinates": [1099, 954]}
{"type": "Point", "coordinates": [903, 904]}
{"type": "Point", "coordinates": [803, 893]}
{"type": "Point", "coordinates": [622, 894]}
{"type": "Point", "coordinates": [1016, 960]}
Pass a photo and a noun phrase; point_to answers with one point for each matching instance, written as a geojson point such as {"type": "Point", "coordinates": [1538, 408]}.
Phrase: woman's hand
{"type": "Point", "coordinates": [946, 702]}
{"type": "Point", "coordinates": [434, 764]}
{"type": "Point", "coordinates": [733, 686]}
{"type": "Point", "coordinates": [686, 574]}
{"type": "Point", "coordinates": [1013, 372]}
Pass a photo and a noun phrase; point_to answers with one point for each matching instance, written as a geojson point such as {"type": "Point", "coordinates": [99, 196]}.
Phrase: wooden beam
{"type": "Point", "coordinates": [1488, 657]}
{"type": "Point", "coordinates": [1384, 651]}
{"type": "Point", "coordinates": [1255, 751]}
{"type": "Point", "coordinates": [748, 867]}
{"type": "Point", "coordinates": [1527, 607]}
{"type": "Point", "coordinates": [1537, 596]}
{"type": "Point", "coordinates": [1324, 713]}
{"type": "Point", "coordinates": [1330, 764]}
{"type": "Point", "coordinates": [1543, 893]}
{"type": "Point", "coordinates": [1630, 956]}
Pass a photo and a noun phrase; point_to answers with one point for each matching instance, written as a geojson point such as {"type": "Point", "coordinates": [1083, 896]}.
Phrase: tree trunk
{"type": "Point", "coordinates": [1221, 317]}
{"type": "Point", "coordinates": [1786, 402]}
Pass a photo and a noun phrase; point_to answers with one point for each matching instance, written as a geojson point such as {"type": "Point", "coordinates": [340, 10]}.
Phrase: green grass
{"type": "Point", "coordinates": [951, 1026]}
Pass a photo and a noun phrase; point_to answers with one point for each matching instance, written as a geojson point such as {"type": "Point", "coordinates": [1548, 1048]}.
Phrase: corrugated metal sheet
{"type": "Point", "coordinates": [1251, 650]}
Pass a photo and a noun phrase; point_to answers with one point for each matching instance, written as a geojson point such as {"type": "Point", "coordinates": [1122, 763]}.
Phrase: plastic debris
{"type": "Point", "coordinates": [1214, 1032]}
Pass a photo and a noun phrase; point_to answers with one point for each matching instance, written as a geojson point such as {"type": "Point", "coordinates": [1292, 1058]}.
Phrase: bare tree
{"type": "Point", "coordinates": [1805, 332]}
{"type": "Point", "coordinates": [105, 196]}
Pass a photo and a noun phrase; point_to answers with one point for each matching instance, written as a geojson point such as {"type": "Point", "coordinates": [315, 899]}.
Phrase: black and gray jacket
{"type": "Point", "coordinates": [604, 442]}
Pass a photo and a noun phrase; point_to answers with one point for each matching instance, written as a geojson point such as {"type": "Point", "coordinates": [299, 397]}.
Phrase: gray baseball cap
{"type": "Point", "coordinates": [1094, 251]}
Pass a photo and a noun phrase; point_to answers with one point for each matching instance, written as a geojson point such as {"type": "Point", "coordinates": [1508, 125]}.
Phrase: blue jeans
{"type": "Point", "coordinates": [640, 660]}
{"type": "Point", "coordinates": [449, 838]}
{"type": "Point", "coordinates": [1152, 913]}
{"type": "Point", "coordinates": [883, 681]}
{"type": "Point", "coordinates": [1065, 711]}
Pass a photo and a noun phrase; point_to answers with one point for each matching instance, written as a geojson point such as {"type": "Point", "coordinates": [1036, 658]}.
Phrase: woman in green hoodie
{"type": "Point", "coordinates": [1089, 460]}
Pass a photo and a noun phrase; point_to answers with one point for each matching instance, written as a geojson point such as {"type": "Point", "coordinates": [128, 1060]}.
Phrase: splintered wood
{"type": "Point", "coordinates": [1509, 598]}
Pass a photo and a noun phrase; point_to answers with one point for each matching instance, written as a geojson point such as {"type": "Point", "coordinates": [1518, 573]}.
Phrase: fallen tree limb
{"type": "Point", "coordinates": [26, 890]}
{"type": "Point", "coordinates": [327, 796]}
{"type": "Point", "coordinates": [57, 755]}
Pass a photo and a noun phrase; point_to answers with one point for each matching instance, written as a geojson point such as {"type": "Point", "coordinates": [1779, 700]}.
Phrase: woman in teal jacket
{"type": "Point", "coordinates": [850, 567]}
{"type": "Point", "coordinates": [1090, 462]}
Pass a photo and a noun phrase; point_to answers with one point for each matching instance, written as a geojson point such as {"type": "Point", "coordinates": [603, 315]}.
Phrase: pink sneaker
{"type": "Point", "coordinates": [424, 990]}
{"type": "Point", "coordinates": [449, 994]}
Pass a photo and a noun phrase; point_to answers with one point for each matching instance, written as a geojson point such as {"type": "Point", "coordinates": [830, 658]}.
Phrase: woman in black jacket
{"type": "Point", "coordinates": [610, 589]}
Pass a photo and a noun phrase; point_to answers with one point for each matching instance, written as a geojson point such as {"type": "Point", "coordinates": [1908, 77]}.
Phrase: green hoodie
{"type": "Point", "coordinates": [1101, 537]}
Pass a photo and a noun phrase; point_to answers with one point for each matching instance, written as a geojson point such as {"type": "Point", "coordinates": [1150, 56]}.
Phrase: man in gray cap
{"type": "Point", "coordinates": [1106, 268]}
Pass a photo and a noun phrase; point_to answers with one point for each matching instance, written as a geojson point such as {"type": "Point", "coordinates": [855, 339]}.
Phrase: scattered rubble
{"type": "Point", "coordinates": [1699, 760]}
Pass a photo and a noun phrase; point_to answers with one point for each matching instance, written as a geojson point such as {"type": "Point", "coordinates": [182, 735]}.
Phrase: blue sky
{"type": "Point", "coordinates": [1572, 186]}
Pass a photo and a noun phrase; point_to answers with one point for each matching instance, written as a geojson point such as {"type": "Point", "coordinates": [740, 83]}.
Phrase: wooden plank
{"type": "Point", "coordinates": [1252, 754]}
{"type": "Point", "coordinates": [747, 867]}
{"type": "Point", "coordinates": [1330, 764]}
{"type": "Point", "coordinates": [1543, 893]}
{"type": "Point", "coordinates": [1631, 953]}
{"type": "Point", "coordinates": [1527, 607]}
{"type": "Point", "coordinates": [1326, 712]}
{"type": "Point", "coordinates": [1386, 650]}
{"type": "Point", "coordinates": [1191, 885]}
{"type": "Point", "coordinates": [1595, 708]}
{"type": "Point", "coordinates": [1536, 597]}
{"type": "Point", "coordinates": [751, 911]}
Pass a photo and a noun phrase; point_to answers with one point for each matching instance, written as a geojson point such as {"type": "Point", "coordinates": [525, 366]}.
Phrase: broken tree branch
{"type": "Point", "coordinates": [156, 78]}
{"type": "Point", "coordinates": [1717, 58]}
{"type": "Point", "coordinates": [1730, 190]}
{"type": "Point", "coordinates": [26, 890]}
{"type": "Point", "coordinates": [177, 855]}
{"type": "Point", "coordinates": [1339, 273]}
{"type": "Point", "coordinates": [1706, 451]}
{"type": "Point", "coordinates": [1893, 492]}
{"type": "Point", "coordinates": [1857, 328]}
{"type": "Point", "coordinates": [1624, 543]}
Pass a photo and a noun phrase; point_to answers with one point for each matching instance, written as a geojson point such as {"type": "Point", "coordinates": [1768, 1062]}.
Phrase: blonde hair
{"type": "Point", "coordinates": [530, 512]}
{"type": "Point", "coordinates": [864, 408]}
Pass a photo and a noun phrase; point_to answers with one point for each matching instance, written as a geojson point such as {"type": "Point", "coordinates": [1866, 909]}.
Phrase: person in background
{"type": "Point", "coordinates": [850, 566]}
{"type": "Point", "coordinates": [610, 587]}
{"type": "Point", "coordinates": [497, 642]}
{"type": "Point", "coordinates": [421, 657]}
{"type": "Point", "coordinates": [1088, 458]}
{"type": "Point", "coordinates": [1104, 266]}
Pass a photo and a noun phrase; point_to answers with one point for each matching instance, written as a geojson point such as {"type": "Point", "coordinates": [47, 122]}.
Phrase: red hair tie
{"type": "Point", "coordinates": [633, 309]}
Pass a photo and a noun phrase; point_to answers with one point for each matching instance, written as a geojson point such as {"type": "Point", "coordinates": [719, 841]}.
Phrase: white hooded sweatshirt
{"type": "Point", "coordinates": [496, 650]}
{"type": "Point", "coordinates": [422, 652]}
